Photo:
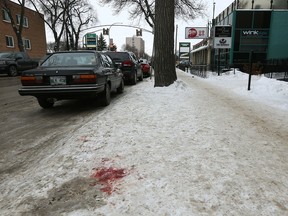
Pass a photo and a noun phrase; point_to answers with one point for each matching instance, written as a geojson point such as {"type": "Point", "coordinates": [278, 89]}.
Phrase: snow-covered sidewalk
{"type": "Point", "coordinates": [197, 147]}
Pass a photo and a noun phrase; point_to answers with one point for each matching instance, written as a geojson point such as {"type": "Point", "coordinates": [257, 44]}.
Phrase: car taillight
{"type": "Point", "coordinates": [127, 63]}
{"type": "Point", "coordinates": [31, 80]}
{"type": "Point", "coordinates": [84, 78]}
{"type": "Point", "coordinates": [146, 66]}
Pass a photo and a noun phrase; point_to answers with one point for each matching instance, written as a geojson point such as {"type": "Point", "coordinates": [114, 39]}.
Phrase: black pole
{"type": "Point", "coordinates": [218, 62]}
{"type": "Point", "coordinates": [213, 10]}
{"type": "Point", "coordinates": [250, 70]}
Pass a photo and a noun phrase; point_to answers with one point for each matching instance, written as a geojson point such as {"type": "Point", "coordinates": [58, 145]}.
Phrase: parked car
{"type": "Point", "coordinates": [12, 63]}
{"type": "Point", "coordinates": [73, 75]}
{"type": "Point", "coordinates": [184, 64]}
{"type": "Point", "coordinates": [145, 67]}
{"type": "Point", "coordinates": [129, 64]}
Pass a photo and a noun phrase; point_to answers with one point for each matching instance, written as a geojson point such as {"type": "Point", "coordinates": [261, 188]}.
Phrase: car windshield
{"type": "Point", "coordinates": [70, 59]}
{"type": "Point", "coordinates": [6, 55]}
{"type": "Point", "coordinates": [118, 56]}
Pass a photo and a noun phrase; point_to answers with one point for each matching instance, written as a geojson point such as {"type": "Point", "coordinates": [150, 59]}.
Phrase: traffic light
{"type": "Point", "coordinates": [105, 31]}
{"type": "Point", "coordinates": [138, 32]}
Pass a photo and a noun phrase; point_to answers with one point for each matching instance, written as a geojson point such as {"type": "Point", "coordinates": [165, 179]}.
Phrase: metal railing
{"type": "Point", "coordinates": [200, 70]}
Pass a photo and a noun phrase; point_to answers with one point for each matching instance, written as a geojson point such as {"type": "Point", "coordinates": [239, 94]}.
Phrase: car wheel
{"type": "Point", "coordinates": [120, 89]}
{"type": "Point", "coordinates": [46, 102]}
{"type": "Point", "coordinates": [106, 96]}
{"type": "Point", "coordinates": [134, 80]}
{"type": "Point", "coordinates": [12, 71]}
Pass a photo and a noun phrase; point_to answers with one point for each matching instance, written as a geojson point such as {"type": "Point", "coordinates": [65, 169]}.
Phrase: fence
{"type": "Point", "coordinates": [277, 75]}
{"type": "Point", "coordinates": [200, 70]}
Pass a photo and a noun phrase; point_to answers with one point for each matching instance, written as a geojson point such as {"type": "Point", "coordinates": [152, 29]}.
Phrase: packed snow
{"type": "Point", "coordinates": [198, 147]}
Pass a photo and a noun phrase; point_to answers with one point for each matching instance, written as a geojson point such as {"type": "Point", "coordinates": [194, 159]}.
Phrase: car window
{"type": "Point", "coordinates": [105, 61]}
{"type": "Point", "coordinates": [118, 56]}
{"type": "Point", "coordinates": [6, 55]}
{"type": "Point", "coordinates": [18, 56]}
{"type": "Point", "coordinates": [133, 56]}
{"type": "Point", "coordinates": [144, 61]}
{"type": "Point", "coordinates": [109, 60]}
{"type": "Point", "coordinates": [70, 59]}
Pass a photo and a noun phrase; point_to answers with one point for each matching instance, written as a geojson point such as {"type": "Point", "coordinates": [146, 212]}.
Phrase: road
{"type": "Point", "coordinates": [27, 130]}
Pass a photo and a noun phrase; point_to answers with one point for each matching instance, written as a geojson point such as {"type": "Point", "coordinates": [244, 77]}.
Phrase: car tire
{"type": "Point", "coordinates": [45, 103]}
{"type": "Point", "coordinates": [120, 89]}
{"type": "Point", "coordinates": [12, 71]}
{"type": "Point", "coordinates": [106, 96]}
{"type": "Point", "coordinates": [134, 79]}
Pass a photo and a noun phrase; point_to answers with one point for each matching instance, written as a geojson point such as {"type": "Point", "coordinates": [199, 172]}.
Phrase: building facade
{"type": "Point", "coordinates": [259, 36]}
{"type": "Point", "coordinates": [138, 43]}
{"type": "Point", "coordinates": [33, 34]}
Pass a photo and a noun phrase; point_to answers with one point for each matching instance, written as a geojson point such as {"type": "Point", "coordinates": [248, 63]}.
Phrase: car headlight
{"type": "Point", "coordinates": [2, 62]}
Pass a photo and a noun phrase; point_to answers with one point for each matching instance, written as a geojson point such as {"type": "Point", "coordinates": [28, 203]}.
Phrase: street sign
{"type": "Point", "coordinates": [91, 40]}
{"type": "Point", "coordinates": [222, 37]}
{"type": "Point", "coordinates": [184, 50]}
{"type": "Point", "coordinates": [196, 32]}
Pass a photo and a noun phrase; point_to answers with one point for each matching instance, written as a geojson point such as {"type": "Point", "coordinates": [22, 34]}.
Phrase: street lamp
{"type": "Point", "coordinates": [109, 33]}
{"type": "Point", "coordinates": [213, 10]}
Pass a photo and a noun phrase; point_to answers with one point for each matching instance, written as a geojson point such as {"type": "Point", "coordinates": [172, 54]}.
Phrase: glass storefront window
{"type": "Point", "coordinates": [244, 19]}
{"type": "Point", "coordinates": [262, 19]}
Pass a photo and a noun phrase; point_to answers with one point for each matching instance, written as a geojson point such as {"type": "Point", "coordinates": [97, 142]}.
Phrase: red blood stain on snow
{"type": "Point", "coordinates": [107, 177]}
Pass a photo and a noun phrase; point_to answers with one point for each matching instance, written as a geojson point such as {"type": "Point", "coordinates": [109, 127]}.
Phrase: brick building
{"type": "Point", "coordinates": [33, 33]}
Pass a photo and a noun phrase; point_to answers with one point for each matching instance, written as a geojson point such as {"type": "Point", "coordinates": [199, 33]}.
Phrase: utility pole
{"type": "Point", "coordinates": [176, 35]}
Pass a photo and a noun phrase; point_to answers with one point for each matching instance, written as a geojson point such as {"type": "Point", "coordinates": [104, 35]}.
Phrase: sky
{"type": "Point", "coordinates": [119, 33]}
{"type": "Point", "coordinates": [105, 16]}
{"type": "Point", "coordinates": [197, 147]}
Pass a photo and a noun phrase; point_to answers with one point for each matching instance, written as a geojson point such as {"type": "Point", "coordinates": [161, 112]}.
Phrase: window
{"type": "Point", "coordinates": [9, 41]}
{"type": "Point", "coordinates": [244, 19]}
{"type": "Point", "coordinates": [262, 19]}
{"type": "Point", "coordinates": [5, 16]}
{"type": "Point", "coordinates": [25, 20]}
{"type": "Point", "coordinates": [26, 43]}
{"type": "Point", "coordinates": [105, 61]}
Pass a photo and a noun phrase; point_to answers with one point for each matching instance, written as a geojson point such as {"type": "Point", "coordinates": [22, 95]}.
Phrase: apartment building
{"type": "Point", "coordinates": [33, 34]}
{"type": "Point", "coordinates": [138, 43]}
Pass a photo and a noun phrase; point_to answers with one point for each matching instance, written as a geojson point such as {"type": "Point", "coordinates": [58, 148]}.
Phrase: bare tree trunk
{"type": "Point", "coordinates": [164, 58]}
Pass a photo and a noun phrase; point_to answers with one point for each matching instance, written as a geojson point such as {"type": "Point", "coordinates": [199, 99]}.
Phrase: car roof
{"type": "Point", "coordinates": [78, 51]}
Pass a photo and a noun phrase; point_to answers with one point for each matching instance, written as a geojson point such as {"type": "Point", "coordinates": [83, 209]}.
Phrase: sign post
{"type": "Point", "coordinates": [222, 40]}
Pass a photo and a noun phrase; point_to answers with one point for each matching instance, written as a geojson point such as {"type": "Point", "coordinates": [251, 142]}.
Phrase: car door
{"type": "Point", "coordinates": [115, 70]}
{"type": "Point", "coordinates": [137, 64]}
{"type": "Point", "coordinates": [23, 60]}
{"type": "Point", "coordinates": [21, 64]}
{"type": "Point", "coordinates": [109, 70]}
